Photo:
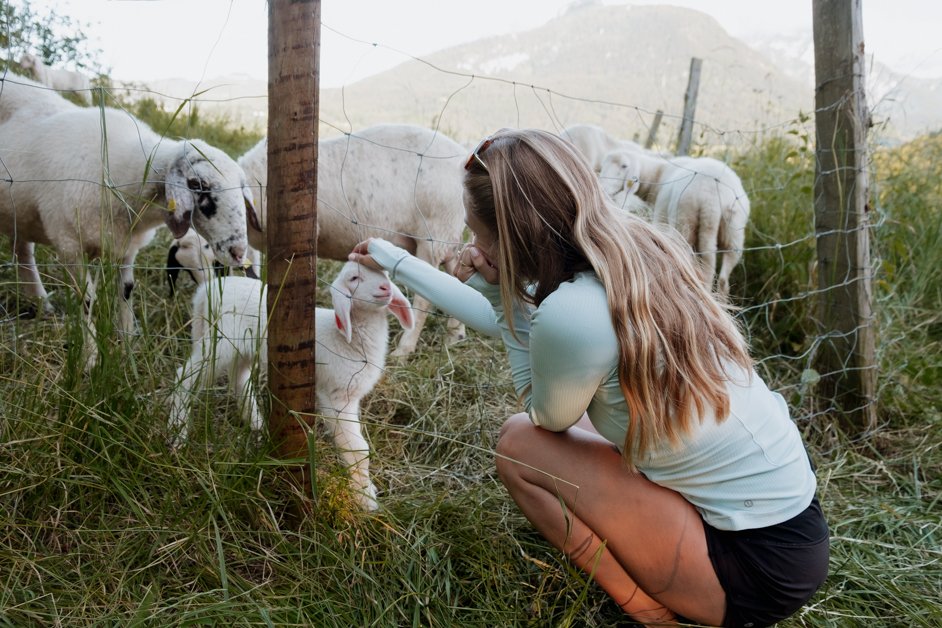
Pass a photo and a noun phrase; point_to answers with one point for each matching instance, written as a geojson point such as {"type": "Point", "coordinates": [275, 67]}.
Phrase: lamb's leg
{"type": "Point", "coordinates": [240, 378]}
{"type": "Point", "coordinates": [188, 377]}
{"type": "Point", "coordinates": [24, 257]}
{"type": "Point", "coordinates": [345, 430]}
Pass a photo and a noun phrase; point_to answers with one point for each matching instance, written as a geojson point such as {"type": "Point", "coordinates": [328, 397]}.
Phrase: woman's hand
{"type": "Point", "coordinates": [361, 255]}
{"type": "Point", "coordinates": [472, 260]}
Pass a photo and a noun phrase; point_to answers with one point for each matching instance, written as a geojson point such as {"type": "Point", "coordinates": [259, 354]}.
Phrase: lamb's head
{"type": "Point", "coordinates": [365, 289]}
{"type": "Point", "coordinates": [191, 253]}
{"type": "Point", "coordinates": [206, 190]}
{"type": "Point", "coordinates": [621, 170]}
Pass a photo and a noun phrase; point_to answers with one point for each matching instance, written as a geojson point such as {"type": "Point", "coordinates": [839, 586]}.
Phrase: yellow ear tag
{"type": "Point", "coordinates": [246, 264]}
{"type": "Point", "coordinates": [171, 206]}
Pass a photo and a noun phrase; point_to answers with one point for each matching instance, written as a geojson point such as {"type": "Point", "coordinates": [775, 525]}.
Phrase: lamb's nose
{"type": "Point", "coordinates": [237, 251]}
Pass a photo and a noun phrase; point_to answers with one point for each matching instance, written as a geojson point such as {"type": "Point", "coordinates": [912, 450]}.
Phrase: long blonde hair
{"type": "Point", "coordinates": [541, 199]}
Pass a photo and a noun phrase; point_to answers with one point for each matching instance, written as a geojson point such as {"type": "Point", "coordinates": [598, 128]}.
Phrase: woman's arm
{"type": "Point", "coordinates": [562, 353]}
{"type": "Point", "coordinates": [463, 301]}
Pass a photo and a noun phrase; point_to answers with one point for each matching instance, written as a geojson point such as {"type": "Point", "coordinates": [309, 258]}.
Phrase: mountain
{"type": "Point", "coordinates": [612, 65]}
{"type": "Point", "coordinates": [902, 106]}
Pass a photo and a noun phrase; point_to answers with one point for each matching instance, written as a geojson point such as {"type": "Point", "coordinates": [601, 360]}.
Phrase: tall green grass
{"type": "Point", "coordinates": [100, 524]}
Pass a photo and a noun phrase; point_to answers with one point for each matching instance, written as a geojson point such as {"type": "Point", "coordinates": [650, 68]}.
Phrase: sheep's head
{"type": "Point", "coordinates": [206, 190]}
{"type": "Point", "coordinates": [620, 170]}
{"type": "Point", "coordinates": [357, 286]}
{"type": "Point", "coordinates": [193, 254]}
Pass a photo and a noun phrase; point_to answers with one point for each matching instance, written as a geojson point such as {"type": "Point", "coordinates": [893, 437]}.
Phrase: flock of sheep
{"type": "Point", "coordinates": [97, 183]}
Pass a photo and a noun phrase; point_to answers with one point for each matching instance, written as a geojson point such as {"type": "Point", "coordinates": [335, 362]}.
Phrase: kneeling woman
{"type": "Point", "coordinates": [650, 452]}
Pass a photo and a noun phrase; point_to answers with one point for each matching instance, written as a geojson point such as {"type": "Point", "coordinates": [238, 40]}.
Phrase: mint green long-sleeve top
{"type": "Point", "coordinates": [748, 471]}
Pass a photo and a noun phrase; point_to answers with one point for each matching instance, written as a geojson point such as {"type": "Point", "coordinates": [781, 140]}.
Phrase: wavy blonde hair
{"type": "Point", "coordinates": [551, 219]}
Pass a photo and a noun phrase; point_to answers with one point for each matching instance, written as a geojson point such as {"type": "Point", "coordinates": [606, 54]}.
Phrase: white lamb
{"type": "Point", "coordinates": [594, 142]}
{"type": "Point", "coordinates": [395, 181]}
{"type": "Point", "coordinates": [58, 79]}
{"type": "Point", "coordinates": [190, 253]}
{"type": "Point", "coordinates": [66, 186]}
{"type": "Point", "coordinates": [229, 331]}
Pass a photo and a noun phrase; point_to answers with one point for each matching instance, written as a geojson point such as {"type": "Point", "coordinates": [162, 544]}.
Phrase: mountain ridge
{"type": "Point", "coordinates": [612, 65]}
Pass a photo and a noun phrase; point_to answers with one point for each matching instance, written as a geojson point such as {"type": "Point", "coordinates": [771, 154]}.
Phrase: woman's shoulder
{"type": "Point", "coordinates": [582, 298]}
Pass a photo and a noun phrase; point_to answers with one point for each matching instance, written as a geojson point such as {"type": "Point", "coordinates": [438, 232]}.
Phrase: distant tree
{"type": "Point", "coordinates": [56, 39]}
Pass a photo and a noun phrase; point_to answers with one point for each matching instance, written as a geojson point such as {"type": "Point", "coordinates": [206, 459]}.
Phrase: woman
{"type": "Point", "coordinates": [650, 452]}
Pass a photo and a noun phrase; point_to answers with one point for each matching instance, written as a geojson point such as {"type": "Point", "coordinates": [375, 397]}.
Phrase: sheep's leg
{"type": "Point", "coordinates": [126, 319]}
{"type": "Point", "coordinates": [24, 256]}
{"type": "Point", "coordinates": [80, 275]}
{"type": "Point", "coordinates": [456, 329]}
{"type": "Point", "coordinates": [347, 433]}
{"type": "Point", "coordinates": [706, 242]}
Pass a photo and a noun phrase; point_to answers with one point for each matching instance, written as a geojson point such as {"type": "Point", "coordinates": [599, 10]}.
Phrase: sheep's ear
{"type": "Point", "coordinates": [251, 218]}
{"type": "Point", "coordinates": [173, 268]}
{"type": "Point", "coordinates": [180, 201]}
{"type": "Point", "coordinates": [342, 301]}
{"type": "Point", "coordinates": [401, 308]}
{"type": "Point", "coordinates": [633, 184]}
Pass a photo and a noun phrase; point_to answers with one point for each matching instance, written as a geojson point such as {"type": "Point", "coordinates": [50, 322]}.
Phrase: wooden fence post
{"type": "Point", "coordinates": [690, 107]}
{"type": "Point", "coordinates": [652, 132]}
{"type": "Point", "coordinates": [845, 358]}
{"type": "Point", "coordinates": [293, 57]}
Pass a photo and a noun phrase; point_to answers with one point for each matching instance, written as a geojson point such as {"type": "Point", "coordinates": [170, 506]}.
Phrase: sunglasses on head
{"type": "Point", "coordinates": [476, 153]}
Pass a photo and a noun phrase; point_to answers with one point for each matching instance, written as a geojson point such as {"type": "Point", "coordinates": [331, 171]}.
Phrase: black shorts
{"type": "Point", "coordinates": [769, 573]}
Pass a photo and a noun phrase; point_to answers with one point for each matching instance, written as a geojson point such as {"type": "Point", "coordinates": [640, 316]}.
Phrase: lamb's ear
{"type": "Point", "coordinates": [180, 199]}
{"type": "Point", "coordinates": [342, 301]}
{"type": "Point", "coordinates": [173, 267]}
{"type": "Point", "coordinates": [401, 308]}
{"type": "Point", "coordinates": [251, 217]}
{"type": "Point", "coordinates": [633, 185]}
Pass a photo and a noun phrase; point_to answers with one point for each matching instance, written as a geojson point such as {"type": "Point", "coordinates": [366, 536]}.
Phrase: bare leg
{"type": "Point", "coordinates": [643, 544]}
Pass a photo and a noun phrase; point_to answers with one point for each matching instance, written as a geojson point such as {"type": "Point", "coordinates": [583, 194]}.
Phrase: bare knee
{"type": "Point", "coordinates": [514, 436]}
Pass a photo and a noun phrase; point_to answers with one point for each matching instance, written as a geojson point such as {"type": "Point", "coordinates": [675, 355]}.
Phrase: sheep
{"type": "Point", "coordinates": [229, 329]}
{"type": "Point", "coordinates": [62, 80]}
{"type": "Point", "coordinates": [699, 196]}
{"type": "Point", "coordinates": [99, 182]}
{"type": "Point", "coordinates": [395, 181]}
{"type": "Point", "coordinates": [705, 201]}
{"type": "Point", "coordinates": [593, 142]}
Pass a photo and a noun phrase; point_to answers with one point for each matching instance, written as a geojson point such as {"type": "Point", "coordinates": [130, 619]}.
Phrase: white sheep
{"type": "Point", "coordinates": [701, 197]}
{"type": "Point", "coordinates": [58, 79]}
{"type": "Point", "coordinates": [192, 254]}
{"type": "Point", "coordinates": [97, 183]}
{"type": "Point", "coordinates": [705, 201]}
{"type": "Point", "coordinates": [395, 181]}
{"type": "Point", "coordinates": [594, 142]}
{"type": "Point", "coordinates": [229, 330]}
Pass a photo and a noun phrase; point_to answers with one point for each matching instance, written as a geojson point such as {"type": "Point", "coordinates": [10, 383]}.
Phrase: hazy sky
{"type": "Point", "coordinates": [151, 39]}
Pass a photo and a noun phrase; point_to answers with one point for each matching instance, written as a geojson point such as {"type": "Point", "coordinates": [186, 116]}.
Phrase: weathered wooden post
{"type": "Point", "coordinates": [652, 132]}
{"type": "Point", "coordinates": [845, 358]}
{"type": "Point", "coordinates": [293, 58]}
{"type": "Point", "coordinates": [690, 107]}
